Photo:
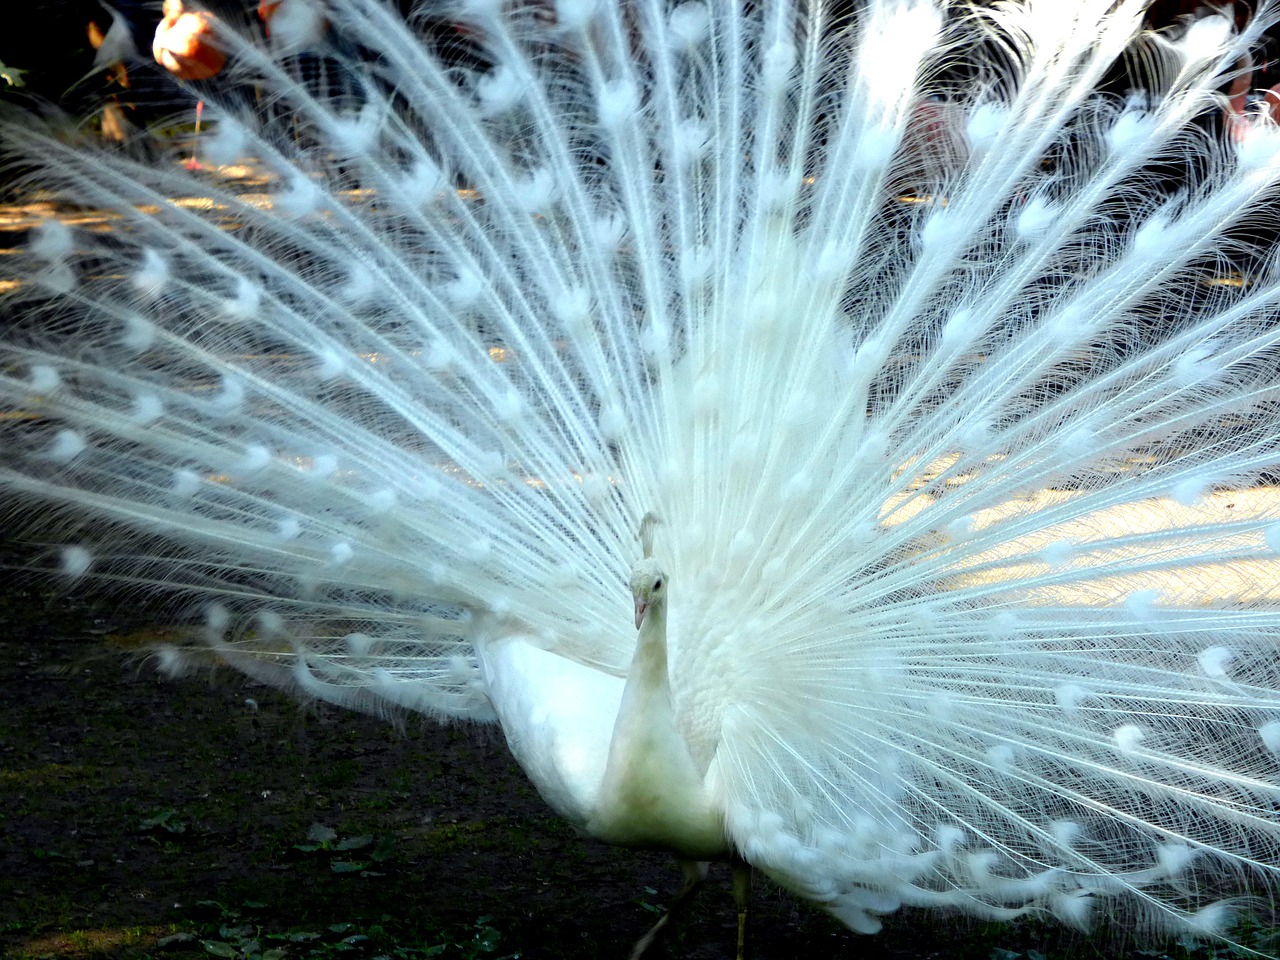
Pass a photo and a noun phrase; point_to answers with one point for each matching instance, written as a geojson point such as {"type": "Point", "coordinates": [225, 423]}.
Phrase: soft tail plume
{"type": "Point", "coordinates": [942, 338]}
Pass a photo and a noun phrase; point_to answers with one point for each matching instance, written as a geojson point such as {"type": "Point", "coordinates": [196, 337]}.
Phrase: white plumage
{"type": "Point", "coordinates": [945, 348]}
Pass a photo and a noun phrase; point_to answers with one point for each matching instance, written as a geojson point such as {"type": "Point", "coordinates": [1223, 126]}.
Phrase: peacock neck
{"type": "Point", "coordinates": [653, 794]}
{"type": "Point", "coordinates": [648, 673]}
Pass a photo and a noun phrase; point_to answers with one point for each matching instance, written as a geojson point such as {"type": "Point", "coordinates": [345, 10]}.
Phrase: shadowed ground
{"type": "Point", "coordinates": [143, 817]}
{"type": "Point", "coordinates": [135, 809]}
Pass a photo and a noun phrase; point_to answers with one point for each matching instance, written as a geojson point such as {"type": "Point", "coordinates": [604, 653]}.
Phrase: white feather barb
{"type": "Point", "coordinates": [944, 347]}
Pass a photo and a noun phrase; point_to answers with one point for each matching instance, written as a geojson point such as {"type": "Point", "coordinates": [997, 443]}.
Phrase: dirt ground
{"type": "Point", "coordinates": [209, 817]}
{"type": "Point", "coordinates": [142, 816]}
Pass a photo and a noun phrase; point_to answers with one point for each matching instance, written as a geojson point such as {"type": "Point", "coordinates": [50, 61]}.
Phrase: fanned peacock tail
{"type": "Point", "coordinates": [943, 341]}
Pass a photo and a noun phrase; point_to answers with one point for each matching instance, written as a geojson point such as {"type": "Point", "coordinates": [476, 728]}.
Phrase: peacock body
{"type": "Point", "coordinates": [945, 350]}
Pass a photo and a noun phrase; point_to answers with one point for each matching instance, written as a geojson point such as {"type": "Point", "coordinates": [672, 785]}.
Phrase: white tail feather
{"type": "Point", "coordinates": [952, 378]}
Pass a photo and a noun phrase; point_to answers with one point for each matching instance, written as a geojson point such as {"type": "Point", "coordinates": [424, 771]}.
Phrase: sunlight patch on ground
{"type": "Point", "coordinates": [104, 941]}
{"type": "Point", "coordinates": [1147, 533]}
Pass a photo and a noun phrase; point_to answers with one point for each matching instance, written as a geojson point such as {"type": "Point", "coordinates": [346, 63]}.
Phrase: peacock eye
{"type": "Point", "coordinates": [657, 584]}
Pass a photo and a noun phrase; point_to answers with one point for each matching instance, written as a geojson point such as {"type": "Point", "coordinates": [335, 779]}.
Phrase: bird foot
{"type": "Point", "coordinates": [695, 872]}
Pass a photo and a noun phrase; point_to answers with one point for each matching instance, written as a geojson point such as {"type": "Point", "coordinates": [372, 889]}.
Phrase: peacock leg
{"type": "Point", "coordinates": [742, 897]}
{"type": "Point", "coordinates": [695, 872]}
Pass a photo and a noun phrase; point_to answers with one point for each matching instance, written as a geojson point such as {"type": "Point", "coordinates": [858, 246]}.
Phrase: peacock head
{"type": "Point", "coordinates": [648, 587]}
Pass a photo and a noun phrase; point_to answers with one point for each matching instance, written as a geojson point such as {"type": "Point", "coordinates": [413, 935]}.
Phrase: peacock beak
{"type": "Point", "coordinates": [641, 606]}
